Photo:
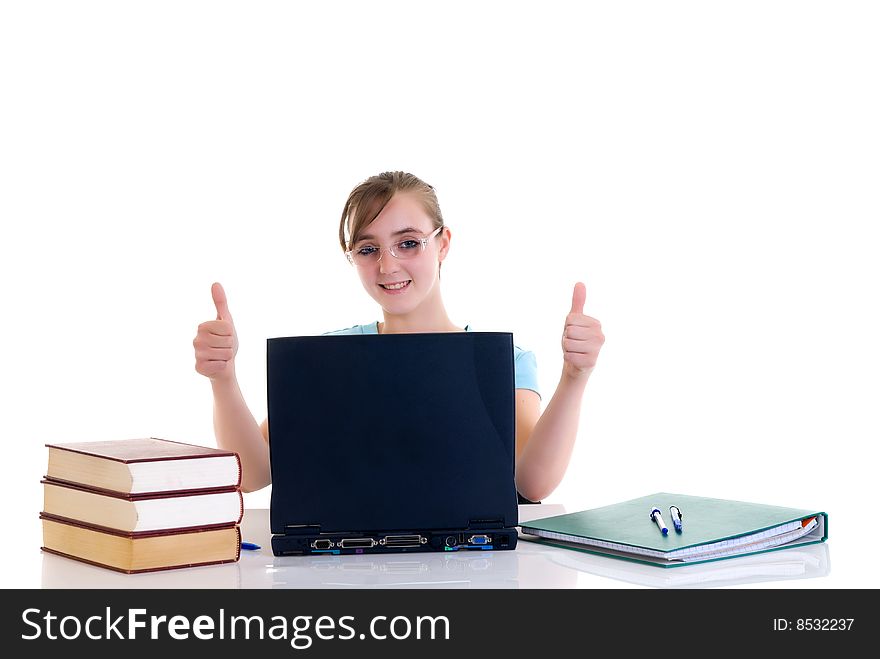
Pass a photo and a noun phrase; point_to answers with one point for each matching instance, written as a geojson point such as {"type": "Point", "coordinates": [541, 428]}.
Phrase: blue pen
{"type": "Point", "coordinates": [249, 545]}
{"type": "Point", "coordinates": [657, 518]}
{"type": "Point", "coordinates": [675, 514]}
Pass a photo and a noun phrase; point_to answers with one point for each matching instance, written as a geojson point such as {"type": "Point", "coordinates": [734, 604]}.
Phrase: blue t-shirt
{"type": "Point", "coordinates": [525, 366]}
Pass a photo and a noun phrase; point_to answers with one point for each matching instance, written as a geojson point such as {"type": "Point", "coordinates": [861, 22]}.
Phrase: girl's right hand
{"type": "Point", "coordinates": [216, 342]}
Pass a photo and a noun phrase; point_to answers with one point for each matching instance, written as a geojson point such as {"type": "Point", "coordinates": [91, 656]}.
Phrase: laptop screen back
{"type": "Point", "coordinates": [386, 432]}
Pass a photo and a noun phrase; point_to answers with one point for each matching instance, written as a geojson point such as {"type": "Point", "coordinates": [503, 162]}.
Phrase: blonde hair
{"type": "Point", "coordinates": [368, 199]}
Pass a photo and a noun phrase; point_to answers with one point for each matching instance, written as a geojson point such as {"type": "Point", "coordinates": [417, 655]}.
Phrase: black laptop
{"type": "Point", "coordinates": [391, 443]}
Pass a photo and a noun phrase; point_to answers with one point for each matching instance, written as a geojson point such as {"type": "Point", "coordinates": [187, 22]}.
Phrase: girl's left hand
{"type": "Point", "coordinates": [582, 338]}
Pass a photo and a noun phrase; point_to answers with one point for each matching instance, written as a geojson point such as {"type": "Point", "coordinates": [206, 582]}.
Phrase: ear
{"type": "Point", "coordinates": [445, 239]}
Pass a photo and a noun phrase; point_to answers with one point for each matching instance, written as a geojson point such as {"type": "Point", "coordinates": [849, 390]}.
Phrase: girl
{"type": "Point", "coordinates": [393, 233]}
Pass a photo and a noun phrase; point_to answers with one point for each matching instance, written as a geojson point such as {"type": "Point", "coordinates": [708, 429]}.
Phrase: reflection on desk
{"type": "Point", "coordinates": [489, 569]}
{"type": "Point", "coordinates": [803, 562]}
{"type": "Point", "coordinates": [61, 572]}
{"type": "Point", "coordinates": [530, 565]}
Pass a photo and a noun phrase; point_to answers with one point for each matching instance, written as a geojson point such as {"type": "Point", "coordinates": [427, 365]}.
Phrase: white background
{"type": "Point", "coordinates": [709, 170]}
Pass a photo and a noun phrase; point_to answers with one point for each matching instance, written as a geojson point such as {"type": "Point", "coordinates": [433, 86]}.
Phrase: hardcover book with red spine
{"type": "Point", "coordinates": [140, 552]}
{"type": "Point", "coordinates": [135, 513]}
{"type": "Point", "coordinates": [143, 465]}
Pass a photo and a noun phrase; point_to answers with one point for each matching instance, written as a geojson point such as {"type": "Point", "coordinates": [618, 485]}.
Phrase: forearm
{"type": "Point", "coordinates": [236, 430]}
{"type": "Point", "coordinates": [544, 460]}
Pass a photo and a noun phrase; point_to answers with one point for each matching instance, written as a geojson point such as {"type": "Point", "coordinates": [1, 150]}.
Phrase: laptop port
{"type": "Point", "coordinates": [412, 540]}
{"type": "Point", "coordinates": [480, 539]}
{"type": "Point", "coordinates": [451, 541]}
{"type": "Point", "coordinates": [348, 543]}
{"type": "Point", "coordinates": [321, 544]}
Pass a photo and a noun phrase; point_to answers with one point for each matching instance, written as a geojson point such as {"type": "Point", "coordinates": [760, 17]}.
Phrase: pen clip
{"type": "Point", "coordinates": [675, 514]}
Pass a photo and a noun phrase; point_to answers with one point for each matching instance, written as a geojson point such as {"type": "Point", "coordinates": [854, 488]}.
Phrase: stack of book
{"type": "Point", "coordinates": [138, 505]}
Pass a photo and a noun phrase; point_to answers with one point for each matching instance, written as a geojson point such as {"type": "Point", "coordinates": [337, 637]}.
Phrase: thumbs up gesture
{"type": "Point", "coordinates": [582, 338]}
{"type": "Point", "coordinates": [216, 342]}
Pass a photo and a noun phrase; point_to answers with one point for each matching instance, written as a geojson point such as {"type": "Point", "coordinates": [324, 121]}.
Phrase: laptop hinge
{"type": "Point", "coordinates": [302, 528]}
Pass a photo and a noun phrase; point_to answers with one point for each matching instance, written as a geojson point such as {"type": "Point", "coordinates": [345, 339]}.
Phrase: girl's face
{"type": "Point", "coordinates": [400, 286]}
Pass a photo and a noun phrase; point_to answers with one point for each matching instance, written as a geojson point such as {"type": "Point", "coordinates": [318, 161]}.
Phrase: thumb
{"type": "Point", "coordinates": [578, 297]}
{"type": "Point", "coordinates": [219, 296]}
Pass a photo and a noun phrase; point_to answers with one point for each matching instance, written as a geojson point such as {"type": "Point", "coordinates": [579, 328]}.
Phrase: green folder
{"type": "Point", "coordinates": [712, 529]}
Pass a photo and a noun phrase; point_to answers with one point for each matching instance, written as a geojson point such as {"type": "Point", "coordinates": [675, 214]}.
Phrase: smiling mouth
{"type": "Point", "coordinates": [397, 286]}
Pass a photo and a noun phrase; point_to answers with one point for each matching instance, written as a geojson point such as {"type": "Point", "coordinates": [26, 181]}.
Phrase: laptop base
{"type": "Point", "coordinates": [372, 543]}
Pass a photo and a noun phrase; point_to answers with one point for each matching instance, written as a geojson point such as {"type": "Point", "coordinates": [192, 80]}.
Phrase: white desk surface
{"type": "Point", "coordinates": [530, 565]}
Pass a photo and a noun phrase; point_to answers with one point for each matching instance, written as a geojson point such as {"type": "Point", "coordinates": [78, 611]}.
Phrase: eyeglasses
{"type": "Point", "coordinates": [408, 248]}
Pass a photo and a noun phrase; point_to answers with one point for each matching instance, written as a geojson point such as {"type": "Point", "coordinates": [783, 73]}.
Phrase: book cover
{"type": "Point", "coordinates": [712, 529]}
{"type": "Point", "coordinates": [137, 513]}
{"type": "Point", "coordinates": [143, 465]}
{"type": "Point", "coordinates": [142, 449]}
{"type": "Point", "coordinates": [144, 552]}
